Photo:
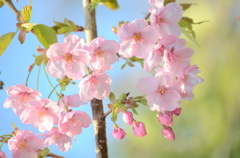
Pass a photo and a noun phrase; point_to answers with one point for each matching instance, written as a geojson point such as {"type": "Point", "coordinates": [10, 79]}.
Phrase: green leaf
{"type": "Point", "coordinates": [122, 106]}
{"type": "Point", "coordinates": [64, 82]}
{"type": "Point", "coordinates": [5, 40]}
{"type": "Point", "coordinates": [112, 4]}
{"type": "Point", "coordinates": [123, 66]}
{"type": "Point", "coordinates": [114, 116]}
{"type": "Point", "coordinates": [1, 3]}
{"type": "Point", "coordinates": [187, 5]}
{"type": "Point", "coordinates": [112, 98]}
{"type": "Point", "coordinates": [95, 3]}
{"type": "Point", "coordinates": [122, 97]}
{"type": "Point", "coordinates": [26, 13]}
{"type": "Point", "coordinates": [46, 35]}
{"type": "Point", "coordinates": [41, 59]}
{"type": "Point", "coordinates": [134, 111]}
{"type": "Point", "coordinates": [186, 27]}
{"type": "Point", "coordinates": [168, 1]}
{"type": "Point", "coordinates": [27, 26]}
{"type": "Point", "coordinates": [130, 64]}
{"type": "Point", "coordinates": [44, 152]}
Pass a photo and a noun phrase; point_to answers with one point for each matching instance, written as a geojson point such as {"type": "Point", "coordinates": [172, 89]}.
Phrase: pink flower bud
{"type": "Point", "coordinates": [118, 133]}
{"type": "Point", "coordinates": [168, 133]}
{"type": "Point", "coordinates": [128, 117]}
{"type": "Point", "coordinates": [22, 36]}
{"type": "Point", "coordinates": [177, 111]}
{"type": "Point", "coordinates": [166, 119]}
{"type": "Point", "coordinates": [30, 67]}
{"type": "Point", "coordinates": [3, 155]}
{"type": "Point", "coordinates": [139, 129]}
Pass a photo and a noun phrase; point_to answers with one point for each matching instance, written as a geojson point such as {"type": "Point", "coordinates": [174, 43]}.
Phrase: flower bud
{"type": "Point", "coordinates": [166, 119]}
{"type": "Point", "coordinates": [127, 117]}
{"type": "Point", "coordinates": [118, 133]}
{"type": "Point", "coordinates": [30, 67]}
{"type": "Point", "coordinates": [177, 111]}
{"type": "Point", "coordinates": [114, 29]}
{"type": "Point", "coordinates": [168, 133]}
{"type": "Point", "coordinates": [139, 129]}
{"type": "Point", "coordinates": [3, 155]}
{"type": "Point", "coordinates": [22, 36]}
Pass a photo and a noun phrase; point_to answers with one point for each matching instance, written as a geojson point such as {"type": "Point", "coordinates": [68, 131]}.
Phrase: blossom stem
{"type": "Point", "coordinates": [107, 113]}
{"type": "Point", "coordinates": [53, 90]}
{"type": "Point", "coordinates": [54, 155]}
{"type": "Point", "coordinates": [12, 7]}
{"type": "Point", "coordinates": [4, 140]}
{"type": "Point", "coordinates": [50, 81]}
{"type": "Point", "coordinates": [29, 75]}
{"type": "Point", "coordinates": [97, 105]}
{"type": "Point", "coordinates": [38, 76]}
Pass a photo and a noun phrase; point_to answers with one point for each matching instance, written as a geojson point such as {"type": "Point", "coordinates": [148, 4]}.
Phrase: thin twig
{"type": "Point", "coordinates": [147, 16]}
{"type": "Point", "coordinates": [12, 7]}
{"type": "Point", "coordinates": [107, 113]}
{"type": "Point", "coordinates": [54, 155]}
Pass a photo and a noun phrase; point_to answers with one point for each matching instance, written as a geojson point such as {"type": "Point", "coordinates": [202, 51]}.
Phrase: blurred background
{"type": "Point", "coordinates": [208, 125]}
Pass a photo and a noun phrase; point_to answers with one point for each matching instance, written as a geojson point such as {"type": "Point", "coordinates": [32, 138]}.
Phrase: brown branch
{"type": "Point", "coordinates": [147, 16]}
{"type": "Point", "coordinates": [54, 155]}
{"type": "Point", "coordinates": [107, 113]}
{"type": "Point", "coordinates": [12, 7]}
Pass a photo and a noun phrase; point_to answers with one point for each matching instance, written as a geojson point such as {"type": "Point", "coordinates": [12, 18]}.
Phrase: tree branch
{"type": "Point", "coordinates": [54, 155]}
{"type": "Point", "coordinates": [97, 106]}
{"type": "Point", "coordinates": [12, 7]}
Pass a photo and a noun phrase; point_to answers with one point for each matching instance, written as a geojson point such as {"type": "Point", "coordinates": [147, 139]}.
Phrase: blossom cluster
{"type": "Point", "coordinates": [56, 118]}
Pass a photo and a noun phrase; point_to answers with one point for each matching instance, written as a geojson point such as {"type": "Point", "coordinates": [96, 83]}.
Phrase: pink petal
{"type": "Point", "coordinates": [55, 68]}
{"type": "Point", "coordinates": [57, 50]}
{"type": "Point", "coordinates": [147, 85]}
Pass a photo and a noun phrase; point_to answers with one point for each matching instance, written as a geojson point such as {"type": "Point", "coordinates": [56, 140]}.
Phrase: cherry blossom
{"type": "Point", "coordinates": [165, 119]}
{"type": "Point", "coordinates": [165, 18]}
{"type": "Point", "coordinates": [72, 123]}
{"type": "Point", "coordinates": [3, 155]}
{"type": "Point", "coordinates": [139, 129]}
{"type": "Point", "coordinates": [70, 101]}
{"type": "Point", "coordinates": [25, 144]}
{"type": "Point", "coordinates": [136, 39]}
{"type": "Point", "coordinates": [118, 133]}
{"type": "Point", "coordinates": [127, 117]}
{"type": "Point", "coordinates": [96, 85]}
{"type": "Point", "coordinates": [69, 58]}
{"type": "Point", "coordinates": [103, 53]}
{"type": "Point", "coordinates": [168, 133]}
{"type": "Point", "coordinates": [62, 141]}
{"type": "Point", "coordinates": [19, 97]}
{"type": "Point", "coordinates": [41, 114]}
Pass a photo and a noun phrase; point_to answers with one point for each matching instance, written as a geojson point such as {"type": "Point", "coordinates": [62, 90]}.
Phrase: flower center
{"type": "Point", "coordinates": [24, 97]}
{"type": "Point", "coordinates": [161, 50]}
{"type": "Point", "coordinates": [93, 81]}
{"type": "Point", "coordinates": [22, 145]}
{"type": "Point", "coordinates": [98, 52]}
{"type": "Point", "coordinates": [159, 19]}
{"type": "Point", "coordinates": [137, 37]}
{"type": "Point", "coordinates": [161, 90]}
{"type": "Point", "coordinates": [68, 57]}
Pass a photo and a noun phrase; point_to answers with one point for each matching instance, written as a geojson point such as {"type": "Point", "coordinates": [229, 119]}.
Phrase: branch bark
{"type": "Point", "coordinates": [97, 106]}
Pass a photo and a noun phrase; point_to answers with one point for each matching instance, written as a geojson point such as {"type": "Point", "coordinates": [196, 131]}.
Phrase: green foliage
{"type": "Point", "coordinates": [5, 40]}
{"type": "Point", "coordinates": [134, 111]}
{"type": "Point", "coordinates": [111, 4]}
{"type": "Point", "coordinates": [27, 26]}
{"type": "Point", "coordinates": [130, 61]}
{"type": "Point", "coordinates": [168, 1]}
{"type": "Point", "coordinates": [41, 59]}
{"type": "Point", "coordinates": [186, 5]}
{"type": "Point", "coordinates": [1, 3]}
{"type": "Point", "coordinates": [64, 82]}
{"type": "Point", "coordinates": [46, 35]}
{"type": "Point", "coordinates": [26, 13]}
{"type": "Point", "coordinates": [43, 153]}
{"type": "Point", "coordinates": [112, 98]}
{"type": "Point", "coordinates": [66, 28]}
{"type": "Point", "coordinates": [114, 113]}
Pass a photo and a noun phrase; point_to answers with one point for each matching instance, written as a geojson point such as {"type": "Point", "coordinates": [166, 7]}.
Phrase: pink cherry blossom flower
{"type": "Point", "coordinates": [168, 133]}
{"type": "Point", "coordinates": [165, 119]}
{"type": "Point", "coordinates": [103, 53]}
{"type": "Point", "coordinates": [177, 60]}
{"type": "Point", "coordinates": [139, 129]}
{"type": "Point", "coordinates": [127, 117]}
{"type": "Point", "coordinates": [155, 57]}
{"type": "Point", "coordinates": [19, 97]}
{"type": "Point", "coordinates": [62, 141]}
{"type": "Point", "coordinates": [3, 155]}
{"type": "Point", "coordinates": [72, 123]}
{"type": "Point", "coordinates": [96, 85]}
{"type": "Point", "coordinates": [70, 101]}
{"type": "Point", "coordinates": [118, 133]}
{"type": "Point", "coordinates": [41, 114]}
{"type": "Point", "coordinates": [165, 18]}
{"type": "Point", "coordinates": [188, 81]}
{"type": "Point", "coordinates": [68, 58]}
{"type": "Point", "coordinates": [177, 111]}
{"type": "Point", "coordinates": [160, 90]}
{"type": "Point", "coordinates": [136, 39]}
{"type": "Point", "coordinates": [25, 144]}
